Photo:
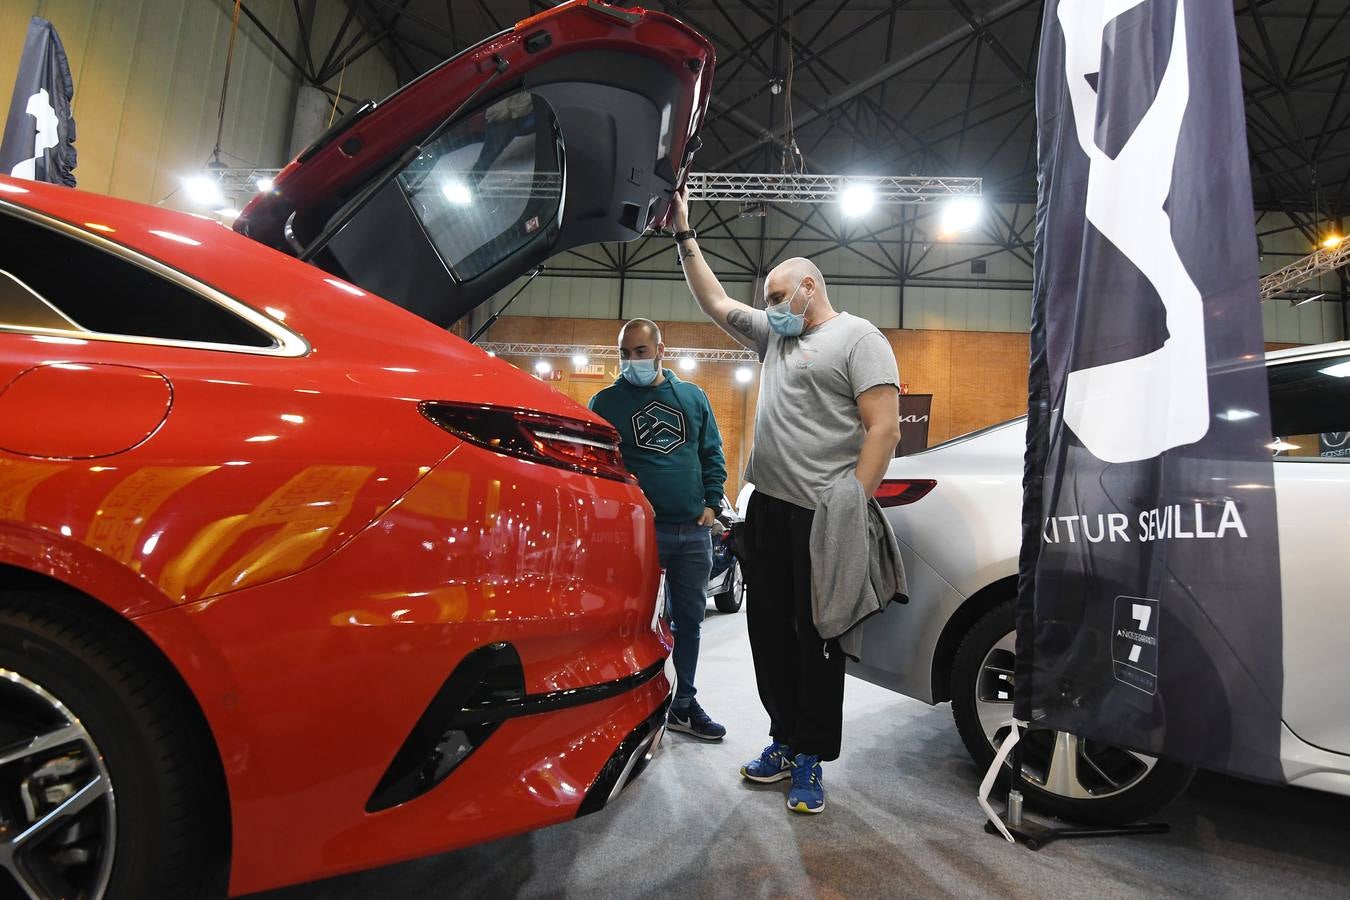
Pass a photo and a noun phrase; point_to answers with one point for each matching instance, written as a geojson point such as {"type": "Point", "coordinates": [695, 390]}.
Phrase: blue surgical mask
{"type": "Point", "coordinates": [641, 372]}
{"type": "Point", "coordinates": [783, 320]}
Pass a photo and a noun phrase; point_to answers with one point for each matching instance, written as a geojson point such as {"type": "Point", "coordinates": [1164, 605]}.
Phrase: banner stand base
{"type": "Point", "coordinates": [1034, 835]}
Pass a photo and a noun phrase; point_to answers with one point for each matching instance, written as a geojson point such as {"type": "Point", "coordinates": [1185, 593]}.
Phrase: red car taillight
{"type": "Point", "coordinates": [900, 492]}
{"type": "Point", "coordinates": [551, 440]}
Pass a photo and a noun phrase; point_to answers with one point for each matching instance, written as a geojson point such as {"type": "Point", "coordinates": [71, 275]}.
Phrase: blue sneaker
{"type": "Point", "coordinates": [692, 720]}
{"type": "Point", "coordinates": [808, 790]}
{"type": "Point", "coordinates": [774, 764]}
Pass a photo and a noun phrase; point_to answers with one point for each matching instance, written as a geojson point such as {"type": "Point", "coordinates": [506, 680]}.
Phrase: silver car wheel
{"type": "Point", "coordinates": [1056, 761]}
{"type": "Point", "coordinates": [57, 813]}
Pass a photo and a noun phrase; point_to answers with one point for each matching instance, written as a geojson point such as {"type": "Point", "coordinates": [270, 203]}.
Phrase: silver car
{"type": "Point", "coordinates": [956, 509]}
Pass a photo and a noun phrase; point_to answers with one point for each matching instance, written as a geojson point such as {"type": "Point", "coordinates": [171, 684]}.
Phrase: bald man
{"type": "Point", "coordinates": [827, 410]}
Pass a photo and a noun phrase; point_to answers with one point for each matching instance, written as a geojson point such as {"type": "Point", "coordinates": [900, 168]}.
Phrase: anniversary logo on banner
{"type": "Point", "coordinates": [1149, 605]}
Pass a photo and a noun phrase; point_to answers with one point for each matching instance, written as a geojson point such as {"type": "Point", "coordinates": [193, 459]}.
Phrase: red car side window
{"type": "Point", "coordinates": [94, 290]}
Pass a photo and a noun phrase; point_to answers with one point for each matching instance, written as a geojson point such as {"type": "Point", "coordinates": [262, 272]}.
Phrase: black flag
{"type": "Point", "coordinates": [1149, 604]}
{"type": "Point", "coordinates": [39, 141]}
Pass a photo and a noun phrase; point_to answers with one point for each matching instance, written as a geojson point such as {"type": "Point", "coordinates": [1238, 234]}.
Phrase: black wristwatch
{"type": "Point", "coordinates": [681, 236]}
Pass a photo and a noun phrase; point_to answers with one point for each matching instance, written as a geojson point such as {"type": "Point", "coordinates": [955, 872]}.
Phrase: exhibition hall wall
{"type": "Point", "coordinates": [148, 77]}
{"type": "Point", "coordinates": [976, 378]}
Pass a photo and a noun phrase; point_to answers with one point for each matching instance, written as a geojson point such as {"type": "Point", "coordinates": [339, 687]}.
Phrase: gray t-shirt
{"type": "Point", "coordinates": [808, 431]}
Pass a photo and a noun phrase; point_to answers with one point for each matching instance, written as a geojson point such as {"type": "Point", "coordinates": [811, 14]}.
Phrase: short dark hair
{"type": "Point", "coordinates": [653, 330]}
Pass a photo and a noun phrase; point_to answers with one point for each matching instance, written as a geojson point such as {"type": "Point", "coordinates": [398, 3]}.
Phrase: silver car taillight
{"type": "Point", "coordinates": [903, 491]}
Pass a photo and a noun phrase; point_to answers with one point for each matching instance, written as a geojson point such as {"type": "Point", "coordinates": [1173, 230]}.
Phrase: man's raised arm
{"type": "Point", "coordinates": [731, 316]}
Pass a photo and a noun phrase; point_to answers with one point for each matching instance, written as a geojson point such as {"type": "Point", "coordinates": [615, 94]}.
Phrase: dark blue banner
{"type": "Point", "coordinates": [39, 138]}
{"type": "Point", "coordinates": [1149, 610]}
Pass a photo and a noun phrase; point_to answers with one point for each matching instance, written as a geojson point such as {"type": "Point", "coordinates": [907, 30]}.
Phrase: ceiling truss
{"type": "Point", "coordinates": [940, 87]}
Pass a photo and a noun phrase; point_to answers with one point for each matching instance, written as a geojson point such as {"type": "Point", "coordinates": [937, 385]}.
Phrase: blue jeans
{"type": "Point", "coordinates": [686, 555]}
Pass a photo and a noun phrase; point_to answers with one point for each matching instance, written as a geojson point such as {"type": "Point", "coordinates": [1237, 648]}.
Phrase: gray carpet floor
{"type": "Point", "coordinates": [901, 822]}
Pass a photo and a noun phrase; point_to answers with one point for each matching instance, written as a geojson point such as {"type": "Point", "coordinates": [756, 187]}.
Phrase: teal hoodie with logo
{"type": "Point", "coordinates": [669, 440]}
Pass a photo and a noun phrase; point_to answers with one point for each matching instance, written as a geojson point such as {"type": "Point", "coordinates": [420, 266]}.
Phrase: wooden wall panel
{"type": "Point", "coordinates": [988, 380]}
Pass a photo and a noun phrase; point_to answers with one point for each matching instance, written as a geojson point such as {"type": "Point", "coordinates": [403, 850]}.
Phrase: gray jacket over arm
{"type": "Point", "coordinates": [855, 563]}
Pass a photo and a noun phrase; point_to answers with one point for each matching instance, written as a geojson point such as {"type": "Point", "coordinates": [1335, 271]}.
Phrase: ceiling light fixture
{"type": "Point", "coordinates": [204, 190]}
{"type": "Point", "coordinates": [960, 215]}
{"type": "Point", "coordinates": [857, 200]}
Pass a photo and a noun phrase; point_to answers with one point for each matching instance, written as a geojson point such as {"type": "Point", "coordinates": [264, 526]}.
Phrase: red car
{"type": "Point", "coordinates": [293, 582]}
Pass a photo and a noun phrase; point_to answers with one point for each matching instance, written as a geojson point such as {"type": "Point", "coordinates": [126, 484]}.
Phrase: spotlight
{"type": "Point", "coordinates": [265, 184]}
{"type": "Point", "coordinates": [857, 200]}
{"type": "Point", "coordinates": [203, 190]}
{"type": "Point", "coordinates": [457, 192]}
{"type": "Point", "coordinates": [687, 364]}
{"type": "Point", "coordinates": [1332, 241]}
{"type": "Point", "coordinates": [542, 367]}
{"type": "Point", "coordinates": [580, 360]}
{"type": "Point", "coordinates": [960, 214]}
{"type": "Point", "coordinates": [744, 374]}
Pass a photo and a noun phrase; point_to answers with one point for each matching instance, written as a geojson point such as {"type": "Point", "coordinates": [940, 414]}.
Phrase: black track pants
{"type": "Point", "coordinates": [800, 677]}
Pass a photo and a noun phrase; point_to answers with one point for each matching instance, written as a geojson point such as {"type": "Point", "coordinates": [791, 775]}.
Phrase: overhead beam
{"type": "Point", "coordinates": [881, 75]}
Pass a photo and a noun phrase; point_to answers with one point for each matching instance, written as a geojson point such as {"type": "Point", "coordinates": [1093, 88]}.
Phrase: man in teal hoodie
{"type": "Point", "coordinates": [669, 440]}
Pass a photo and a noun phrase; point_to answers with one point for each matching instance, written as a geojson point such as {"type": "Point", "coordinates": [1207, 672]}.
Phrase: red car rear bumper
{"type": "Point", "coordinates": [313, 683]}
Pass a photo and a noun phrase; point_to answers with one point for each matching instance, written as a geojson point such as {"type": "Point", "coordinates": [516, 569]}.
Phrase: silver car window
{"type": "Point", "coordinates": [1310, 409]}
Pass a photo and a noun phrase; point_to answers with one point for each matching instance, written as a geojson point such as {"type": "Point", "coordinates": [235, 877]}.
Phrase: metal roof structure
{"type": "Point", "coordinates": [942, 89]}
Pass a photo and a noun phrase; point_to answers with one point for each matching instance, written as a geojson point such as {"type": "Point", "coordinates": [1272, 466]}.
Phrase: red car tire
{"type": "Point", "coordinates": [90, 706]}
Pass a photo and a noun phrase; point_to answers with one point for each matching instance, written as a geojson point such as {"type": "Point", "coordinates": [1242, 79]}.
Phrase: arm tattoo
{"type": "Point", "coordinates": [686, 252]}
{"type": "Point", "coordinates": [739, 319]}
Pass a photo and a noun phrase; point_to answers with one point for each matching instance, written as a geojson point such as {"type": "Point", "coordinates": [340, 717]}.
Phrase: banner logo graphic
{"type": "Point", "coordinates": [1136, 408]}
{"type": "Point", "coordinates": [38, 139]}
{"type": "Point", "coordinates": [1134, 643]}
